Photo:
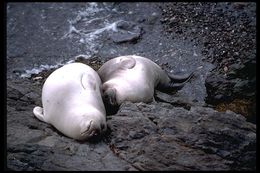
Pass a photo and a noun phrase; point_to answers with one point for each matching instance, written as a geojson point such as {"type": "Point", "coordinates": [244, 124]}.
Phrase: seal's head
{"type": "Point", "coordinates": [109, 96]}
{"type": "Point", "coordinates": [90, 126]}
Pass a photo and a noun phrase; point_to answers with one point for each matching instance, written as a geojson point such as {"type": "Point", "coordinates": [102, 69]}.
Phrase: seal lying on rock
{"type": "Point", "coordinates": [72, 102]}
{"type": "Point", "coordinates": [133, 78]}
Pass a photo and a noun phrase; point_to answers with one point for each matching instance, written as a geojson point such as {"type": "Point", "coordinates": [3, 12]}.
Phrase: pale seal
{"type": "Point", "coordinates": [134, 78]}
{"type": "Point", "coordinates": [72, 102]}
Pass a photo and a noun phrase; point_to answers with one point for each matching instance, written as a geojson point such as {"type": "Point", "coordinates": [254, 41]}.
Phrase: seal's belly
{"type": "Point", "coordinates": [63, 90]}
{"type": "Point", "coordinates": [136, 87]}
{"type": "Point", "coordinates": [142, 94]}
{"type": "Point", "coordinates": [59, 97]}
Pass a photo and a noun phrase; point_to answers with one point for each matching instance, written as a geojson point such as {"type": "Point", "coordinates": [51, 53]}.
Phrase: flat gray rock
{"type": "Point", "coordinates": [126, 32]}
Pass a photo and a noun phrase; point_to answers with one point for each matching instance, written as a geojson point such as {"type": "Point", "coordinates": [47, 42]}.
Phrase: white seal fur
{"type": "Point", "coordinates": [134, 78]}
{"type": "Point", "coordinates": [72, 102]}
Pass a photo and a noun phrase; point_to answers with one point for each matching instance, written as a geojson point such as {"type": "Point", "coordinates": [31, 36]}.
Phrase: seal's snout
{"type": "Point", "coordinates": [85, 129]}
{"type": "Point", "coordinates": [110, 96]}
{"type": "Point", "coordinates": [92, 128]}
{"type": "Point", "coordinates": [95, 132]}
{"type": "Point", "coordinates": [98, 129]}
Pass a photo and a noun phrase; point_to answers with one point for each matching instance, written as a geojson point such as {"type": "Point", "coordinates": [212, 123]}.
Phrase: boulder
{"type": "Point", "coordinates": [160, 136]}
{"type": "Point", "coordinates": [126, 32]}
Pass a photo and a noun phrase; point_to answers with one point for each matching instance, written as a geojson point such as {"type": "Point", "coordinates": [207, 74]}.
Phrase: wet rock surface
{"type": "Point", "coordinates": [178, 131]}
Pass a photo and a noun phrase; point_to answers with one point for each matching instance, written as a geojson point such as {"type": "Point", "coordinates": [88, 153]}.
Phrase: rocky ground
{"type": "Point", "coordinates": [191, 129]}
{"type": "Point", "coordinates": [227, 32]}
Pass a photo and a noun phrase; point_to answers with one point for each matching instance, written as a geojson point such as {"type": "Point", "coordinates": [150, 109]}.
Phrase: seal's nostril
{"type": "Point", "coordinates": [102, 126]}
{"type": "Point", "coordinates": [97, 132]}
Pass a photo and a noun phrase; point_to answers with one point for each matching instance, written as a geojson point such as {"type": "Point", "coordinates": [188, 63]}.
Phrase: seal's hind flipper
{"type": "Point", "coordinates": [179, 78]}
{"type": "Point", "coordinates": [177, 81]}
{"type": "Point", "coordinates": [170, 87]}
{"type": "Point", "coordinates": [175, 86]}
{"type": "Point", "coordinates": [38, 112]}
{"type": "Point", "coordinates": [182, 78]}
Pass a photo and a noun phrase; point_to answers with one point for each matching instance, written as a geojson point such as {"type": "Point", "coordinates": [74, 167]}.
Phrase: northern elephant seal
{"type": "Point", "coordinates": [134, 78]}
{"type": "Point", "coordinates": [72, 102]}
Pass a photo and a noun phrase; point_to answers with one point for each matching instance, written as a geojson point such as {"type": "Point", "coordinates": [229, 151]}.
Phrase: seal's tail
{"type": "Point", "coordinates": [38, 112]}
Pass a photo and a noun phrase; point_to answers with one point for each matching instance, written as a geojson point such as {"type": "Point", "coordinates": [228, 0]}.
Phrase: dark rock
{"type": "Point", "coordinates": [35, 145]}
{"type": "Point", "coordinates": [174, 133]}
{"type": "Point", "coordinates": [220, 88]}
{"type": "Point", "coordinates": [67, 157]}
{"type": "Point", "coordinates": [176, 101]}
{"type": "Point", "coordinates": [228, 40]}
{"type": "Point", "coordinates": [126, 32]}
{"type": "Point", "coordinates": [195, 139]}
{"type": "Point", "coordinates": [18, 71]}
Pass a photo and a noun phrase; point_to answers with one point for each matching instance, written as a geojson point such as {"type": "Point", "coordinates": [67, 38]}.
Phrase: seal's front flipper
{"type": "Point", "coordinates": [88, 81]}
{"type": "Point", "coordinates": [113, 66]}
{"type": "Point", "coordinates": [127, 62]}
{"type": "Point", "coordinates": [38, 112]}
